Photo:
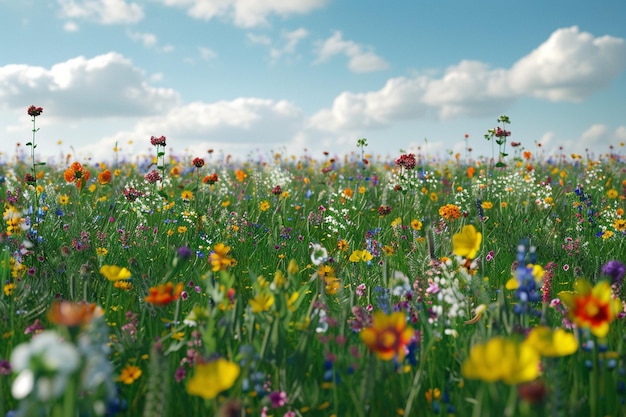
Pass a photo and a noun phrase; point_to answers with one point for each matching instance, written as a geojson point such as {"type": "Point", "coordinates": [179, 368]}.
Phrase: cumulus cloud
{"type": "Point", "coordinates": [105, 12]}
{"type": "Point", "coordinates": [107, 85]}
{"type": "Point", "coordinates": [570, 66]}
{"type": "Point", "coordinates": [239, 121]}
{"type": "Point", "coordinates": [360, 59]}
{"type": "Point", "coordinates": [245, 13]}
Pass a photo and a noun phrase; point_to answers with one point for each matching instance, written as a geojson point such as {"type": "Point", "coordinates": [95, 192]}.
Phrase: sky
{"type": "Point", "coordinates": [250, 78]}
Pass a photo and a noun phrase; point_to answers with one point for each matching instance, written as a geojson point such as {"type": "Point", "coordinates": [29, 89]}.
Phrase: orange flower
{"type": "Point", "coordinates": [470, 172]}
{"type": "Point", "coordinates": [592, 308]}
{"type": "Point", "coordinates": [388, 336]}
{"type": "Point", "coordinates": [104, 177]}
{"type": "Point", "coordinates": [78, 174]}
{"type": "Point", "coordinates": [73, 314]}
{"type": "Point", "coordinates": [163, 294]}
{"type": "Point", "coordinates": [129, 374]}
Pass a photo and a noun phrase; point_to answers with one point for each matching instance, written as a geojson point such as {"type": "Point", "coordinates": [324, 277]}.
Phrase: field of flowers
{"type": "Point", "coordinates": [313, 285]}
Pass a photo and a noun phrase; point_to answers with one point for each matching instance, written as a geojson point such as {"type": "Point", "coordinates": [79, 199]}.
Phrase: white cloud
{"type": "Point", "coordinates": [243, 119]}
{"type": "Point", "coordinates": [290, 42]}
{"type": "Point", "coordinates": [70, 27]}
{"type": "Point", "coordinates": [207, 54]}
{"type": "Point", "coordinates": [106, 12]}
{"type": "Point", "coordinates": [104, 86]}
{"type": "Point", "coordinates": [149, 40]}
{"type": "Point", "coordinates": [245, 13]}
{"type": "Point", "coordinates": [570, 66]}
{"type": "Point", "coordinates": [259, 39]}
{"type": "Point", "coordinates": [360, 59]}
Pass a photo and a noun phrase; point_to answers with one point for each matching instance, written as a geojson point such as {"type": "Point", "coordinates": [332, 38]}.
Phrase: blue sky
{"type": "Point", "coordinates": [252, 77]}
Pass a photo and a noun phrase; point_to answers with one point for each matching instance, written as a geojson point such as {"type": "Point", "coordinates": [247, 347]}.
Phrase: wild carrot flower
{"type": "Point", "coordinates": [388, 336]}
{"type": "Point", "coordinates": [467, 243]}
{"type": "Point", "coordinates": [211, 378]}
{"type": "Point", "coordinates": [129, 374]}
{"type": "Point", "coordinates": [164, 294]}
{"type": "Point", "coordinates": [591, 307]}
{"type": "Point", "coordinates": [552, 343]}
{"type": "Point", "coordinates": [504, 360]}
{"type": "Point", "coordinates": [115, 273]}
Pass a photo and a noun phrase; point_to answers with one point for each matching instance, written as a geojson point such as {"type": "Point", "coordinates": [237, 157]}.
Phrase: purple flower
{"type": "Point", "coordinates": [615, 270]}
{"type": "Point", "coordinates": [5, 367]}
{"type": "Point", "coordinates": [278, 398]}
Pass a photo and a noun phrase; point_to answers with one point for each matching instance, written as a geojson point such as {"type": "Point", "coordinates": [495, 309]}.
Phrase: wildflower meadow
{"type": "Point", "coordinates": [313, 285]}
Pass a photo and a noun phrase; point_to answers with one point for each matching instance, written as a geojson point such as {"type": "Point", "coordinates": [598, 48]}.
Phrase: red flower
{"type": "Point", "coordinates": [210, 179]}
{"type": "Point", "coordinates": [34, 111]}
{"type": "Point", "coordinates": [198, 162]}
{"type": "Point", "coordinates": [160, 141]}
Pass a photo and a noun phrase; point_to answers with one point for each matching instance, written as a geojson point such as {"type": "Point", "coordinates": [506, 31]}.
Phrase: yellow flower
{"type": "Point", "coordinates": [416, 224]}
{"type": "Point", "coordinates": [361, 255]}
{"type": "Point", "coordinates": [211, 378]}
{"type": "Point", "coordinates": [552, 343]}
{"type": "Point", "coordinates": [186, 195]}
{"type": "Point", "coordinates": [264, 205]}
{"type": "Point", "coordinates": [262, 302]}
{"type": "Point", "coordinates": [612, 193]}
{"type": "Point", "coordinates": [129, 374]}
{"type": "Point", "coordinates": [592, 308]}
{"type": "Point", "coordinates": [467, 243]}
{"type": "Point", "coordinates": [502, 360]}
{"type": "Point", "coordinates": [486, 205]}
{"type": "Point", "coordinates": [114, 273]}
{"type": "Point", "coordinates": [101, 251]}
{"type": "Point", "coordinates": [293, 268]}
{"type": "Point", "coordinates": [8, 288]}
{"type": "Point", "coordinates": [64, 199]}
{"type": "Point", "coordinates": [388, 336]}
{"type": "Point", "coordinates": [181, 229]}
{"type": "Point", "coordinates": [342, 245]}
{"type": "Point", "coordinates": [219, 258]}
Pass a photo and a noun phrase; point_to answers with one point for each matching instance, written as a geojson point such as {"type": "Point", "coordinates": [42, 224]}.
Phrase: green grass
{"type": "Point", "coordinates": [56, 237]}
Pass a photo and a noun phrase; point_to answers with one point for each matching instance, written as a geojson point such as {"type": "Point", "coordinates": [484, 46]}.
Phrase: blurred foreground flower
{"type": "Point", "coordinates": [388, 336]}
{"type": "Point", "coordinates": [552, 343]}
{"type": "Point", "coordinates": [467, 243]}
{"type": "Point", "coordinates": [213, 377]}
{"type": "Point", "coordinates": [164, 294]}
{"type": "Point", "coordinates": [502, 360]}
{"type": "Point", "coordinates": [592, 308]}
{"type": "Point", "coordinates": [73, 314]}
{"type": "Point", "coordinates": [43, 366]}
{"type": "Point", "coordinates": [114, 273]}
{"type": "Point", "coordinates": [219, 258]}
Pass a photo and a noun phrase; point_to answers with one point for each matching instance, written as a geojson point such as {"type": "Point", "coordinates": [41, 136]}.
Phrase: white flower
{"type": "Point", "coordinates": [319, 254]}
